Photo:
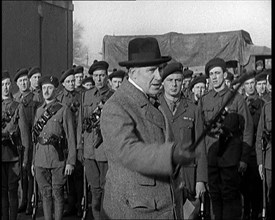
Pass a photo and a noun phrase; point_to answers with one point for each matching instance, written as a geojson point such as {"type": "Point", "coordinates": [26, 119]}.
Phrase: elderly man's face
{"type": "Point", "coordinates": [198, 89]}
{"type": "Point", "coordinates": [23, 83]}
{"type": "Point", "coordinates": [115, 82]}
{"type": "Point", "coordinates": [261, 87]}
{"type": "Point", "coordinates": [216, 76]}
{"type": "Point", "coordinates": [148, 78]}
{"type": "Point", "coordinates": [69, 83]}
{"type": "Point", "coordinates": [100, 78]}
{"type": "Point", "coordinates": [172, 84]}
{"type": "Point", "coordinates": [6, 85]}
{"type": "Point", "coordinates": [249, 86]}
{"type": "Point", "coordinates": [34, 80]}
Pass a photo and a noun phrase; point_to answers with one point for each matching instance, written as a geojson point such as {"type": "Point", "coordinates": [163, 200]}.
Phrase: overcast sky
{"type": "Point", "coordinates": [100, 18]}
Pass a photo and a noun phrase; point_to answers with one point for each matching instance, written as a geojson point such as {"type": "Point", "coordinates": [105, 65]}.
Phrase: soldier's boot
{"type": "Point", "coordinates": [58, 194]}
{"type": "Point", "coordinates": [13, 198]}
{"type": "Point", "coordinates": [96, 203]}
{"type": "Point", "coordinates": [47, 203]}
{"type": "Point", "coordinates": [5, 205]}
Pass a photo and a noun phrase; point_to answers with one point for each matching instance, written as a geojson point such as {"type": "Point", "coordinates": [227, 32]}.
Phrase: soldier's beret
{"type": "Point", "coordinates": [215, 62]}
{"type": "Point", "coordinates": [33, 70]}
{"type": "Point", "coordinates": [259, 62]}
{"type": "Point", "coordinates": [187, 73]}
{"type": "Point", "coordinates": [48, 80]}
{"type": "Point", "coordinates": [117, 73]}
{"type": "Point", "coordinates": [261, 76]}
{"type": "Point", "coordinates": [78, 69]}
{"type": "Point", "coordinates": [198, 79]}
{"type": "Point", "coordinates": [66, 74]}
{"type": "Point", "coordinates": [5, 74]}
{"type": "Point", "coordinates": [170, 69]}
{"type": "Point", "coordinates": [20, 72]}
{"type": "Point", "coordinates": [250, 74]}
{"type": "Point", "coordinates": [98, 65]}
{"type": "Point", "coordinates": [229, 76]}
{"type": "Point", "coordinates": [88, 79]}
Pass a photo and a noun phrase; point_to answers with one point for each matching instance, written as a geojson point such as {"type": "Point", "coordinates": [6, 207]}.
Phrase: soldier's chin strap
{"type": "Point", "coordinates": [220, 113]}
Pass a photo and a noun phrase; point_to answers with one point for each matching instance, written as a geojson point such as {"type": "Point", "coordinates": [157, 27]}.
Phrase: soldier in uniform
{"type": "Point", "coordinates": [186, 123]}
{"type": "Point", "coordinates": [228, 79]}
{"type": "Point", "coordinates": [116, 78]}
{"type": "Point", "coordinates": [14, 130]}
{"type": "Point", "coordinates": [251, 182]}
{"type": "Point", "coordinates": [34, 75]}
{"type": "Point", "coordinates": [89, 145]}
{"type": "Point", "coordinates": [78, 75]}
{"type": "Point", "coordinates": [72, 98]}
{"type": "Point", "coordinates": [30, 102]}
{"type": "Point", "coordinates": [88, 83]}
{"type": "Point", "coordinates": [228, 143]}
{"type": "Point", "coordinates": [52, 160]}
{"type": "Point", "coordinates": [261, 85]}
{"type": "Point", "coordinates": [197, 86]}
{"type": "Point", "coordinates": [264, 132]}
{"type": "Point", "coordinates": [187, 77]}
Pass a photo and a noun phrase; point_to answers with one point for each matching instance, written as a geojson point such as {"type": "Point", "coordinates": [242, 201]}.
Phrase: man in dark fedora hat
{"type": "Point", "coordinates": [141, 152]}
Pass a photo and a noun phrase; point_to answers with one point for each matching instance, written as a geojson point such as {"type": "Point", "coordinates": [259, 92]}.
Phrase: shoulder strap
{"type": "Point", "coordinates": [45, 117]}
{"type": "Point", "coordinates": [27, 99]}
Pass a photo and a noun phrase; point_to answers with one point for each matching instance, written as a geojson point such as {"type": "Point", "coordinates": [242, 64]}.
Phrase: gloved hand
{"type": "Point", "coordinates": [182, 155]}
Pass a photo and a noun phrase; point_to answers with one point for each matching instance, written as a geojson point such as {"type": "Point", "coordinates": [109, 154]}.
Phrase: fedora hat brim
{"type": "Point", "coordinates": [144, 63]}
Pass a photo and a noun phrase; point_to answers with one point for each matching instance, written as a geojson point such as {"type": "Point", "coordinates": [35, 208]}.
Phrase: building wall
{"type": "Point", "coordinates": [37, 33]}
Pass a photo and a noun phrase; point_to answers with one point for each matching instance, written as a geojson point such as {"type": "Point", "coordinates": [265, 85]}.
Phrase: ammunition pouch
{"type": "Point", "coordinates": [56, 142]}
{"type": "Point", "coordinates": [74, 106]}
{"type": "Point", "coordinates": [13, 141]}
{"type": "Point", "coordinates": [91, 122]}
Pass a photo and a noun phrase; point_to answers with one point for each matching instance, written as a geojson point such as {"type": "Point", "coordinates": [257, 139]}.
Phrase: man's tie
{"type": "Point", "coordinates": [154, 101]}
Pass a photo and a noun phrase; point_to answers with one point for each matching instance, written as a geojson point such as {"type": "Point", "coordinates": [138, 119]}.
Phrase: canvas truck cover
{"type": "Point", "coordinates": [189, 49]}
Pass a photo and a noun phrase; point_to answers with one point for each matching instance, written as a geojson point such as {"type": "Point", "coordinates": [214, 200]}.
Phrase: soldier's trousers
{"type": "Point", "coordinates": [251, 188]}
{"type": "Point", "coordinates": [75, 183]}
{"type": "Point", "coordinates": [51, 183]}
{"type": "Point", "coordinates": [27, 186]}
{"type": "Point", "coordinates": [268, 174]}
{"type": "Point", "coordinates": [224, 188]}
{"type": "Point", "coordinates": [10, 178]}
{"type": "Point", "coordinates": [96, 173]}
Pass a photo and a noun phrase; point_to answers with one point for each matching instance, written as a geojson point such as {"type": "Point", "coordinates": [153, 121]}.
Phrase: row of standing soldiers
{"type": "Point", "coordinates": [71, 120]}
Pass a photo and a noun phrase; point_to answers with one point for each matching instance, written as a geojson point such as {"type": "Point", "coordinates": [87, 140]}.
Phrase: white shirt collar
{"type": "Point", "coordinates": [137, 86]}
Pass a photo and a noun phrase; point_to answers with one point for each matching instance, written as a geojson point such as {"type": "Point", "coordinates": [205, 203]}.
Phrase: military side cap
{"type": "Point", "coordinates": [98, 65]}
{"type": "Point", "coordinates": [5, 74]}
{"type": "Point", "coordinates": [33, 70]}
{"type": "Point", "coordinates": [170, 69]}
{"type": "Point", "coordinates": [78, 69]}
{"type": "Point", "coordinates": [88, 79]}
{"type": "Point", "coordinates": [48, 80]}
{"type": "Point", "coordinates": [66, 74]}
{"type": "Point", "coordinates": [187, 73]}
{"type": "Point", "coordinates": [198, 79]}
{"type": "Point", "coordinates": [215, 62]}
{"type": "Point", "coordinates": [117, 73]}
{"type": "Point", "coordinates": [260, 77]}
{"type": "Point", "coordinates": [19, 73]}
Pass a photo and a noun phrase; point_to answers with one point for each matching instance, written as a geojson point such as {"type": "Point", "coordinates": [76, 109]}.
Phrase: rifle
{"type": "Point", "coordinates": [264, 141]}
{"type": "Point", "coordinates": [84, 201]}
{"type": "Point", "coordinates": [34, 200]}
{"type": "Point", "coordinates": [219, 114]}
